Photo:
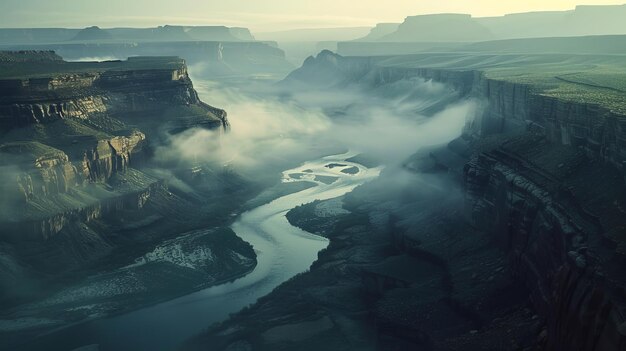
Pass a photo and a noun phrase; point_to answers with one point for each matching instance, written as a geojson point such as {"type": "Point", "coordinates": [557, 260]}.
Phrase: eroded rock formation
{"type": "Point", "coordinates": [73, 140]}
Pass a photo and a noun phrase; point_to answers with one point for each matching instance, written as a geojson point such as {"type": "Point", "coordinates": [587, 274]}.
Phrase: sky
{"type": "Point", "coordinates": [258, 15]}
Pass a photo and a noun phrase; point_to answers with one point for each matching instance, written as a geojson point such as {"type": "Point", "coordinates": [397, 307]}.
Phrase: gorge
{"type": "Point", "coordinates": [525, 210]}
{"type": "Point", "coordinates": [185, 188]}
{"type": "Point", "coordinates": [81, 194]}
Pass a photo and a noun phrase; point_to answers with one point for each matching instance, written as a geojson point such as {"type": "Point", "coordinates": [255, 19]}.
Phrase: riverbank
{"type": "Point", "coordinates": [403, 270]}
{"type": "Point", "coordinates": [282, 251]}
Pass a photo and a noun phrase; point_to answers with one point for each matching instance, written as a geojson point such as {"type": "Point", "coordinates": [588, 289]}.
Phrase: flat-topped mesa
{"type": "Point", "coordinates": [9, 36]}
{"type": "Point", "coordinates": [128, 90]}
{"type": "Point", "coordinates": [69, 131]}
{"type": "Point", "coordinates": [439, 28]}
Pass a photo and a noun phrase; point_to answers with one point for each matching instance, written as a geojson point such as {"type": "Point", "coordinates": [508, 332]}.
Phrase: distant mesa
{"type": "Point", "coordinates": [241, 33]}
{"type": "Point", "coordinates": [93, 33]}
{"type": "Point", "coordinates": [381, 30]}
{"type": "Point", "coordinates": [169, 33]}
{"type": "Point", "coordinates": [461, 28]}
{"type": "Point", "coordinates": [219, 33]}
{"type": "Point", "coordinates": [440, 28]}
{"type": "Point", "coordinates": [584, 20]}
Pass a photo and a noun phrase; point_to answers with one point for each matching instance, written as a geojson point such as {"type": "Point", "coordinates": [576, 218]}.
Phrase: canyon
{"type": "Point", "coordinates": [82, 193]}
{"type": "Point", "coordinates": [521, 252]}
{"type": "Point", "coordinates": [473, 198]}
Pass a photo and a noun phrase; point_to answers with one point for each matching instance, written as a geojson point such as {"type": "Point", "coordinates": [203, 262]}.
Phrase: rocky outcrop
{"type": "Point", "coordinates": [129, 94]}
{"type": "Point", "coordinates": [66, 140]}
{"type": "Point", "coordinates": [20, 115]}
{"type": "Point", "coordinates": [38, 170]}
{"type": "Point", "coordinates": [45, 228]}
{"type": "Point", "coordinates": [112, 156]}
{"type": "Point", "coordinates": [76, 140]}
{"type": "Point", "coordinates": [79, 204]}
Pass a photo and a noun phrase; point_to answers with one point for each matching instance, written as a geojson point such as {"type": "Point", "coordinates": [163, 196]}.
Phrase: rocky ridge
{"type": "Point", "coordinates": [76, 141]}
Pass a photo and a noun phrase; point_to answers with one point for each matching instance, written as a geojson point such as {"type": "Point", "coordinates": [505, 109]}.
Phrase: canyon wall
{"type": "Point", "coordinates": [552, 194]}
{"type": "Point", "coordinates": [74, 139]}
{"type": "Point", "coordinates": [546, 179]}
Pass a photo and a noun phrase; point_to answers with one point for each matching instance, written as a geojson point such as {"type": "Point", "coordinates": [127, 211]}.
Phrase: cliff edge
{"type": "Point", "coordinates": [81, 193]}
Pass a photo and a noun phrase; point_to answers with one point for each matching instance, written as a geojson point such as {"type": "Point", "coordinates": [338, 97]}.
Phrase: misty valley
{"type": "Point", "coordinates": [451, 182]}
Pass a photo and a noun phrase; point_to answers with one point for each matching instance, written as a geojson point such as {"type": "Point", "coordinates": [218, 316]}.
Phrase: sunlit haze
{"type": "Point", "coordinates": [258, 15]}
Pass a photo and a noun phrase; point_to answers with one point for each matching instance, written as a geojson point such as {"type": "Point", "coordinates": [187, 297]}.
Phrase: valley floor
{"type": "Point", "coordinates": [403, 271]}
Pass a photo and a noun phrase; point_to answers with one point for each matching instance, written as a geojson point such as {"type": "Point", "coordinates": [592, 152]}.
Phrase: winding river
{"type": "Point", "coordinates": [282, 252]}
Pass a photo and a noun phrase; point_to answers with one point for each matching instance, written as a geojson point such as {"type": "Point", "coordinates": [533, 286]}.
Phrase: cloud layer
{"type": "Point", "coordinates": [272, 129]}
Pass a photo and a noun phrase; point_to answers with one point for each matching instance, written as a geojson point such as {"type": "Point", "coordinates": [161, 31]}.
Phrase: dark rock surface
{"type": "Point", "coordinates": [82, 199]}
{"type": "Point", "coordinates": [390, 280]}
{"type": "Point", "coordinates": [522, 250]}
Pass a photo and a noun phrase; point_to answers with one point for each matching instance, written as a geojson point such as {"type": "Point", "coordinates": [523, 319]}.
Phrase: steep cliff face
{"type": "Point", "coordinates": [546, 180]}
{"type": "Point", "coordinates": [22, 114]}
{"type": "Point", "coordinates": [70, 129]}
{"type": "Point", "coordinates": [328, 69]}
{"type": "Point", "coordinates": [513, 108]}
{"type": "Point", "coordinates": [42, 170]}
{"type": "Point", "coordinates": [87, 217]}
{"type": "Point", "coordinates": [138, 96]}
{"type": "Point", "coordinates": [553, 196]}
{"type": "Point", "coordinates": [73, 140]}
{"type": "Point", "coordinates": [112, 156]}
{"type": "Point", "coordinates": [559, 228]}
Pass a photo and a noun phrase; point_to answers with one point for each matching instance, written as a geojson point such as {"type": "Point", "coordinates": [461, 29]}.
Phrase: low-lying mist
{"type": "Point", "coordinates": [95, 59]}
{"type": "Point", "coordinates": [274, 127]}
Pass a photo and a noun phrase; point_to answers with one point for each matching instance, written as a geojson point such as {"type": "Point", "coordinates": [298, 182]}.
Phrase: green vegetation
{"type": "Point", "coordinates": [593, 79]}
{"type": "Point", "coordinates": [599, 83]}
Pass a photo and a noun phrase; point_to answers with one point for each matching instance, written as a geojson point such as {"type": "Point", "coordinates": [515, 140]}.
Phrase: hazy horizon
{"type": "Point", "coordinates": [258, 16]}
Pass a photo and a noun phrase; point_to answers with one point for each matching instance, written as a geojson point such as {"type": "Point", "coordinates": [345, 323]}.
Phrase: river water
{"type": "Point", "coordinates": [282, 252]}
